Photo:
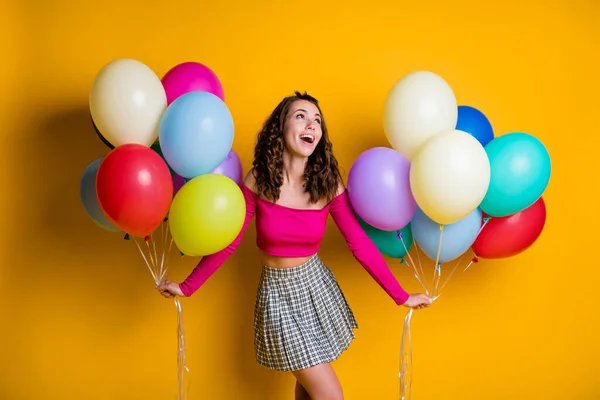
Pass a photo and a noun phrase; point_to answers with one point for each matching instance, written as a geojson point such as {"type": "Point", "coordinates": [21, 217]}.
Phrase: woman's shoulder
{"type": "Point", "coordinates": [250, 181]}
{"type": "Point", "coordinates": [341, 187]}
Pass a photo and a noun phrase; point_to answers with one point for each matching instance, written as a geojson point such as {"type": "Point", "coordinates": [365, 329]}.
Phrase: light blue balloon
{"type": "Point", "coordinates": [196, 133]}
{"type": "Point", "coordinates": [520, 172]}
{"type": "Point", "coordinates": [89, 198]}
{"type": "Point", "coordinates": [457, 237]}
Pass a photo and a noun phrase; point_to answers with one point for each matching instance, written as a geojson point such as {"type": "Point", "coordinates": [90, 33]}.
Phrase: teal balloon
{"type": "Point", "coordinates": [520, 172]}
{"type": "Point", "coordinates": [388, 242]}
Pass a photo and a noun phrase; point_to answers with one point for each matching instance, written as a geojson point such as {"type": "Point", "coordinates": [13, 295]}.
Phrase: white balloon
{"type": "Point", "coordinates": [127, 101]}
{"type": "Point", "coordinates": [449, 176]}
{"type": "Point", "coordinates": [419, 106]}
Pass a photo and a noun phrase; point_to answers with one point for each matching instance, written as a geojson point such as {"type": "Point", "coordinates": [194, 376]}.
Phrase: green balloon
{"type": "Point", "coordinates": [156, 147]}
{"type": "Point", "coordinates": [388, 242]}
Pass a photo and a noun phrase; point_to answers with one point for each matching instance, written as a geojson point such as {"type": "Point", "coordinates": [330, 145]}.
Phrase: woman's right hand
{"type": "Point", "coordinates": [418, 301]}
{"type": "Point", "coordinates": [170, 289]}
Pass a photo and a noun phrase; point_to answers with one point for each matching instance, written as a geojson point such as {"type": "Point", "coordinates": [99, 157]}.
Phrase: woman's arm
{"type": "Point", "coordinates": [211, 263]}
{"type": "Point", "coordinates": [363, 248]}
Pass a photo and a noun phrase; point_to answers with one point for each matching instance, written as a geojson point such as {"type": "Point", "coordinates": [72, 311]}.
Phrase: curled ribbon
{"type": "Point", "coordinates": [156, 261]}
{"type": "Point", "coordinates": [405, 374]}
{"type": "Point", "coordinates": [405, 368]}
{"type": "Point", "coordinates": [182, 369]}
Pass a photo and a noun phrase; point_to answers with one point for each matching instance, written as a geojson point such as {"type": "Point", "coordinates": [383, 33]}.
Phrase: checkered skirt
{"type": "Point", "coordinates": [301, 317]}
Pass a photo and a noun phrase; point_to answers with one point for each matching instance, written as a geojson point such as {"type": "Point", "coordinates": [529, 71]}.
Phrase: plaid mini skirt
{"type": "Point", "coordinates": [301, 317]}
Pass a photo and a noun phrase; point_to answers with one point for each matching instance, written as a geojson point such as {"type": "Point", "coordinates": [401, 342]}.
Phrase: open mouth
{"type": "Point", "coordinates": [309, 139]}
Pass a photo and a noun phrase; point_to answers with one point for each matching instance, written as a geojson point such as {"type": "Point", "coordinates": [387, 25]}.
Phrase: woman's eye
{"type": "Point", "coordinates": [318, 121]}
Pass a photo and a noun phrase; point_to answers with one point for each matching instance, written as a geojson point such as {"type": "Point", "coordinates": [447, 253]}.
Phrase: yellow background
{"type": "Point", "coordinates": [80, 317]}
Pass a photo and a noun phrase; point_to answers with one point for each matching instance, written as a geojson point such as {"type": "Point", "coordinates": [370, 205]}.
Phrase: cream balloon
{"type": "Point", "coordinates": [449, 176]}
{"type": "Point", "coordinates": [127, 101]}
{"type": "Point", "coordinates": [419, 106]}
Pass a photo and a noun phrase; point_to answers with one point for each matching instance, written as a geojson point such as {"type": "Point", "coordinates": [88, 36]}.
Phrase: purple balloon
{"type": "Point", "coordinates": [379, 189]}
{"type": "Point", "coordinates": [231, 167]}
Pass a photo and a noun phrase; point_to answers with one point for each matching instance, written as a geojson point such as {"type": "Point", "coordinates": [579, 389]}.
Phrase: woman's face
{"type": "Point", "coordinates": [302, 128]}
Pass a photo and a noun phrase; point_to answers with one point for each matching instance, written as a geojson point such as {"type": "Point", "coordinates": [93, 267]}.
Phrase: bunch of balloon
{"type": "Point", "coordinates": [449, 182]}
{"type": "Point", "coordinates": [161, 134]}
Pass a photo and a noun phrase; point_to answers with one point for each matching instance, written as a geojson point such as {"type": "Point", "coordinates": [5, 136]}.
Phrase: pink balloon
{"type": "Point", "coordinates": [231, 167]}
{"type": "Point", "coordinates": [188, 77]}
{"type": "Point", "coordinates": [178, 182]}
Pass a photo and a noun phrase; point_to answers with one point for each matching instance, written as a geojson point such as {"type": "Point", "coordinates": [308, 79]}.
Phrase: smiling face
{"type": "Point", "coordinates": [302, 128]}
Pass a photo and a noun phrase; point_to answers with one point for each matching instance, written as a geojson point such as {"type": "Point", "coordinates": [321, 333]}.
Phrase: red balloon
{"type": "Point", "coordinates": [134, 188]}
{"type": "Point", "coordinates": [508, 236]}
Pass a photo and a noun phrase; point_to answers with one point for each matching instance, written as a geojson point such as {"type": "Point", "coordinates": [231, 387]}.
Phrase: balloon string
{"type": "Point", "coordinates": [485, 221]}
{"type": "Point", "coordinates": [150, 257]}
{"type": "Point", "coordinates": [475, 259]}
{"type": "Point", "coordinates": [146, 261]}
{"type": "Point", "coordinates": [405, 370]}
{"type": "Point", "coordinates": [420, 278]}
{"type": "Point", "coordinates": [416, 245]}
{"type": "Point", "coordinates": [450, 275]}
{"type": "Point", "coordinates": [155, 254]}
{"type": "Point", "coordinates": [182, 369]}
{"type": "Point", "coordinates": [437, 273]}
{"type": "Point", "coordinates": [163, 263]}
{"type": "Point", "coordinates": [166, 262]}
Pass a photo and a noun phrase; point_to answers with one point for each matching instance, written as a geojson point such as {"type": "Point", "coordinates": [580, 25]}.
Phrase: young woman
{"type": "Point", "coordinates": [302, 321]}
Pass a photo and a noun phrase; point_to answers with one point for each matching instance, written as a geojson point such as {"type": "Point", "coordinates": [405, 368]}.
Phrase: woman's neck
{"type": "Point", "coordinates": [293, 168]}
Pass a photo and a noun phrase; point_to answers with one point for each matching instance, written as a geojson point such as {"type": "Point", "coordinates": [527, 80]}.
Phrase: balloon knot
{"type": "Point", "coordinates": [126, 236]}
{"type": "Point", "coordinates": [475, 259]}
{"type": "Point", "coordinates": [486, 219]}
{"type": "Point", "coordinates": [181, 253]}
{"type": "Point", "coordinates": [399, 235]}
{"type": "Point", "coordinates": [438, 267]}
{"type": "Point", "coordinates": [186, 180]}
{"type": "Point", "coordinates": [402, 261]}
{"type": "Point", "coordinates": [147, 238]}
{"type": "Point", "coordinates": [166, 219]}
{"type": "Point", "coordinates": [441, 227]}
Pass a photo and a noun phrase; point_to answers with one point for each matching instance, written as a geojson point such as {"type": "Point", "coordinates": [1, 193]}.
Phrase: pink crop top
{"type": "Point", "coordinates": [288, 232]}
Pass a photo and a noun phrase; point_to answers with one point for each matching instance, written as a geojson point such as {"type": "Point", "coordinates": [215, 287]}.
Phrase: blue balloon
{"type": "Point", "coordinates": [196, 133]}
{"type": "Point", "coordinates": [89, 197]}
{"type": "Point", "coordinates": [475, 123]}
{"type": "Point", "coordinates": [520, 173]}
{"type": "Point", "coordinates": [457, 237]}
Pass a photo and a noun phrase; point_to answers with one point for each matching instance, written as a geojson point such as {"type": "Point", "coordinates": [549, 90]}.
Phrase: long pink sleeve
{"type": "Point", "coordinates": [211, 263]}
{"type": "Point", "coordinates": [363, 248]}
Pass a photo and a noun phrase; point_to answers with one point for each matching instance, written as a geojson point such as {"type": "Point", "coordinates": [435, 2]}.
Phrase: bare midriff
{"type": "Point", "coordinates": [283, 262]}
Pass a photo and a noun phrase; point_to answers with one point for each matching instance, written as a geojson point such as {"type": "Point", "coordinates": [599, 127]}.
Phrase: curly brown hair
{"type": "Point", "coordinates": [321, 174]}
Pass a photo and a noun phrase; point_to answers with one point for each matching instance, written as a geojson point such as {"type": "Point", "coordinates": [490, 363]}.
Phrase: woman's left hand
{"type": "Point", "coordinates": [418, 301]}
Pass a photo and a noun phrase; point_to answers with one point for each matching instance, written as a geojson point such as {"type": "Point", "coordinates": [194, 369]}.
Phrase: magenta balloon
{"type": "Point", "coordinates": [178, 182]}
{"type": "Point", "coordinates": [231, 167]}
{"type": "Point", "coordinates": [379, 189]}
{"type": "Point", "coordinates": [191, 76]}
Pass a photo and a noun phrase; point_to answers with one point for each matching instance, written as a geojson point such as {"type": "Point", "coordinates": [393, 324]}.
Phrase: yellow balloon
{"type": "Point", "coordinates": [206, 214]}
{"type": "Point", "coordinates": [449, 176]}
{"type": "Point", "coordinates": [127, 101]}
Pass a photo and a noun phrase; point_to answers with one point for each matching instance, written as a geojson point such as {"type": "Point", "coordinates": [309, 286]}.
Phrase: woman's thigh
{"type": "Point", "coordinates": [320, 382]}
